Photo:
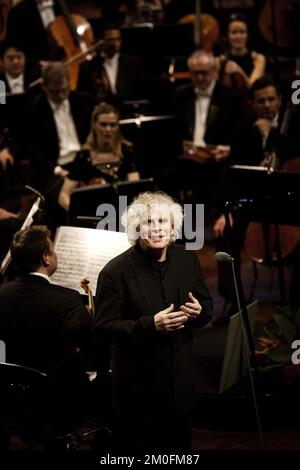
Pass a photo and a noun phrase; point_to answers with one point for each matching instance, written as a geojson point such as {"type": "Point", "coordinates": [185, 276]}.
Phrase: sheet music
{"type": "Point", "coordinates": [83, 252]}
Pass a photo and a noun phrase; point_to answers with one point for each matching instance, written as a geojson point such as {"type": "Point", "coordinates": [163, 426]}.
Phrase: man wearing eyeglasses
{"type": "Point", "coordinates": [57, 125]}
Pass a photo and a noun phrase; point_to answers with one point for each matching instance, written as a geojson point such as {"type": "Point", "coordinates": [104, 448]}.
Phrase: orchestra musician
{"type": "Point", "coordinates": [240, 65]}
{"type": "Point", "coordinates": [111, 75]}
{"type": "Point", "coordinates": [149, 300]}
{"type": "Point", "coordinates": [107, 156]}
{"type": "Point", "coordinates": [209, 113]}
{"type": "Point", "coordinates": [45, 326]}
{"type": "Point", "coordinates": [57, 126]}
{"type": "Point", "coordinates": [264, 140]}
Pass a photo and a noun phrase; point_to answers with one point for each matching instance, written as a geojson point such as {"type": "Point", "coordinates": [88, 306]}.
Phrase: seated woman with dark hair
{"type": "Point", "coordinates": [106, 156]}
{"type": "Point", "coordinates": [239, 66]}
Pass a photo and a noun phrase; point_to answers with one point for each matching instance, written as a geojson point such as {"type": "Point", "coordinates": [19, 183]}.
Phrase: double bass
{"type": "Point", "coordinates": [74, 35]}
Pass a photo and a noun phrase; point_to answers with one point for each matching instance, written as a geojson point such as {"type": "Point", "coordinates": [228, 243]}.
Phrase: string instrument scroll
{"type": "Point", "coordinates": [84, 283]}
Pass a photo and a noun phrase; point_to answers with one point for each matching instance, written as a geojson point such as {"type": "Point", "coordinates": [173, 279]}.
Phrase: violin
{"type": "Point", "coordinates": [197, 154]}
{"type": "Point", "coordinates": [84, 284]}
{"type": "Point", "coordinates": [74, 35]}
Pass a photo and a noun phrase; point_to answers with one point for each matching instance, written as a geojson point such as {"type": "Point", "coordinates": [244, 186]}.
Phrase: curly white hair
{"type": "Point", "coordinates": [159, 200]}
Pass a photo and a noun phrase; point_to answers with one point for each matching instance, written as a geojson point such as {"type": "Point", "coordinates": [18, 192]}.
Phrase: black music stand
{"type": "Point", "coordinates": [85, 200]}
{"type": "Point", "coordinates": [157, 140]}
{"type": "Point", "coordinates": [270, 197]}
{"type": "Point", "coordinates": [148, 40]}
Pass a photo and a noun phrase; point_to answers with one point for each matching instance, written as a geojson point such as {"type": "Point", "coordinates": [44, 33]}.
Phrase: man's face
{"type": "Point", "coordinates": [266, 103]}
{"type": "Point", "coordinates": [155, 229]}
{"type": "Point", "coordinates": [58, 92]}
{"type": "Point", "coordinates": [14, 62]}
{"type": "Point", "coordinates": [203, 72]}
{"type": "Point", "coordinates": [112, 43]}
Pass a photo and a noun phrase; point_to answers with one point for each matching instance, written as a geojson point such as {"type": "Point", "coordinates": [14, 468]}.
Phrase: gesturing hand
{"type": "Point", "coordinates": [192, 308]}
{"type": "Point", "coordinates": [168, 320]}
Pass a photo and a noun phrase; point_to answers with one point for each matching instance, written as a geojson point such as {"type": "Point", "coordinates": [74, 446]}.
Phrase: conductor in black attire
{"type": "Point", "coordinates": [149, 301]}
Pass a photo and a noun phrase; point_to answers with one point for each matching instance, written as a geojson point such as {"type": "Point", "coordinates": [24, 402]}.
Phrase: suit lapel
{"type": "Point", "coordinates": [213, 108]}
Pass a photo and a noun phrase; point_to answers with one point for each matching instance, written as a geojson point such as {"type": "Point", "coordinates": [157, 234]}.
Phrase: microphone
{"type": "Point", "coordinates": [223, 256]}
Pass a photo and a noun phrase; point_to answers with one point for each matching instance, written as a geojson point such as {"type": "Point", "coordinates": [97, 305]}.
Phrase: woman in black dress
{"type": "Point", "coordinates": [240, 67]}
{"type": "Point", "coordinates": [106, 156]}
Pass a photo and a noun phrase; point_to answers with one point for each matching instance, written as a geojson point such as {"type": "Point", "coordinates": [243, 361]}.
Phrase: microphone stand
{"type": "Point", "coordinates": [247, 336]}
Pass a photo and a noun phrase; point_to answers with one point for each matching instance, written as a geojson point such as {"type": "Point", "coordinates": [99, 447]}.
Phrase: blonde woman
{"type": "Point", "coordinates": [106, 156]}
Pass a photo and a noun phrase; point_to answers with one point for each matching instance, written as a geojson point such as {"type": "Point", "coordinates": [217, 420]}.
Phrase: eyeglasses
{"type": "Point", "coordinates": [108, 124]}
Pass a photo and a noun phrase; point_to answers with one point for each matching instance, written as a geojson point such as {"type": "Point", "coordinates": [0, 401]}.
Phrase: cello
{"type": "Point", "coordinates": [74, 34]}
{"type": "Point", "coordinates": [206, 28]}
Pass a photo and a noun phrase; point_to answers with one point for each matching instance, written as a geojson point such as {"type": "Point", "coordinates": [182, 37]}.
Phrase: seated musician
{"type": "Point", "coordinates": [266, 140]}
{"type": "Point", "coordinates": [240, 67]}
{"type": "Point", "coordinates": [57, 125]}
{"type": "Point", "coordinates": [209, 113]}
{"type": "Point", "coordinates": [45, 326]}
{"type": "Point", "coordinates": [106, 157]}
{"type": "Point", "coordinates": [111, 75]}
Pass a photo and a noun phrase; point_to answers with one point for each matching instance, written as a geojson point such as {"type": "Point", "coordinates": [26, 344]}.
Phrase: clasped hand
{"type": "Point", "coordinates": [168, 320]}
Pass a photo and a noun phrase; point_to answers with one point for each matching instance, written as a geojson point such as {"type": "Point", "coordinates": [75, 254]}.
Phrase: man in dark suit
{"type": "Point", "coordinates": [41, 323]}
{"type": "Point", "coordinates": [208, 112]}
{"type": "Point", "coordinates": [58, 123]}
{"type": "Point", "coordinates": [45, 326]}
{"type": "Point", "coordinates": [112, 76]}
{"type": "Point", "coordinates": [269, 139]}
{"type": "Point", "coordinates": [17, 76]}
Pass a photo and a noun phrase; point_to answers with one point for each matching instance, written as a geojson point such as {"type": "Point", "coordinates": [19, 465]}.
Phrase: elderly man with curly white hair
{"type": "Point", "coordinates": [149, 301]}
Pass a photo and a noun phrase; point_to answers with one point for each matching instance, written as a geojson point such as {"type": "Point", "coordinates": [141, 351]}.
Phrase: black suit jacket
{"type": "Point", "coordinates": [153, 373]}
{"type": "Point", "coordinates": [42, 136]}
{"type": "Point", "coordinates": [42, 323]}
{"type": "Point", "coordinates": [12, 115]}
{"type": "Point", "coordinates": [247, 144]}
{"type": "Point", "coordinates": [28, 78]}
{"type": "Point", "coordinates": [129, 78]}
{"type": "Point", "coordinates": [224, 113]}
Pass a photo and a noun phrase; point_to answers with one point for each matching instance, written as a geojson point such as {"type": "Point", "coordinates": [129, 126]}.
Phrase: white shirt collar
{"type": "Point", "coordinates": [207, 92]}
{"type": "Point", "coordinates": [274, 122]}
{"type": "Point", "coordinates": [63, 106]}
{"type": "Point", "coordinates": [15, 82]}
{"type": "Point", "coordinates": [113, 59]}
{"type": "Point", "coordinates": [41, 275]}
